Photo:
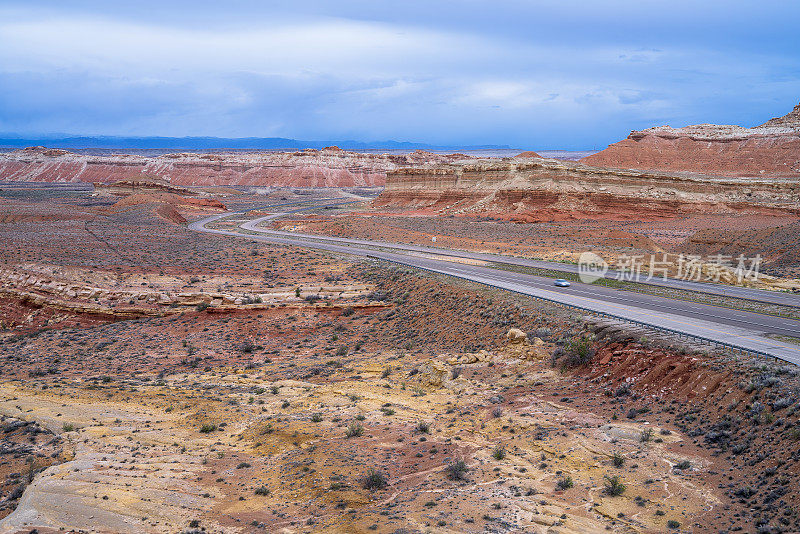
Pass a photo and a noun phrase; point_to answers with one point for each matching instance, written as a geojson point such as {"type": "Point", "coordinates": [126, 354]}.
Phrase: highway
{"type": "Point", "coordinates": [741, 329]}
{"type": "Point", "coordinates": [760, 295]}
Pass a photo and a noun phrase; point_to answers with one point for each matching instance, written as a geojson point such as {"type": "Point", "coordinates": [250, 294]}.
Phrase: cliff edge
{"type": "Point", "coordinates": [771, 149]}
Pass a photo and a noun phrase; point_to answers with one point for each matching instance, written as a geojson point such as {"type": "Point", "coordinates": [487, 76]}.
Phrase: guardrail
{"type": "Point", "coordinates": [743, 350]}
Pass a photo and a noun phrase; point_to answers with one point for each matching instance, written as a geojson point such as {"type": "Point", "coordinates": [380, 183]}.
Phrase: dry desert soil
{"type": "Point", "coordinates": [153, 379]}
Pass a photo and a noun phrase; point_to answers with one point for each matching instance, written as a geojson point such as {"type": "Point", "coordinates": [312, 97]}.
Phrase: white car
{"type": "Point", "coordinates": [560, 282]}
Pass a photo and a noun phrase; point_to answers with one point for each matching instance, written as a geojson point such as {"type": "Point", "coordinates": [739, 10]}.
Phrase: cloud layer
{"type": "Point", "coordinates": [539, 75]}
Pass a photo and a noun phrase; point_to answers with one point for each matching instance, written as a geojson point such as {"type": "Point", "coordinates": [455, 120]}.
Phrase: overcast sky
{"type": "Point", "coordinates": [530, 74]}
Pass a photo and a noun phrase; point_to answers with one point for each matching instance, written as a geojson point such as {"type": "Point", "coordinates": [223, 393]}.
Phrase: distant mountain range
{"type": "Point", "coordinates": [218, 143]}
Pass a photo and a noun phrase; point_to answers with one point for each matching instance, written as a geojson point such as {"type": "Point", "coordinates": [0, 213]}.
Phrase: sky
{"type": "Point", "coordinates": [531, 74]}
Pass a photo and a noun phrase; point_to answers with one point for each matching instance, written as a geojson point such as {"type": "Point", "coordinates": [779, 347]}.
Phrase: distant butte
{"type": "Point", "coordinates": [769, 150]}
{"type": "Point", "coordinates": [329, 167]}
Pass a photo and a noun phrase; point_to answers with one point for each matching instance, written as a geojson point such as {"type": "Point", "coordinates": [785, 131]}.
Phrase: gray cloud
{"type": "Point", "coordinates": [529, 75]}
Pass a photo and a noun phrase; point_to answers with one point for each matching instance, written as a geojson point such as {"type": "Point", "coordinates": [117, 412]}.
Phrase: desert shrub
{"type": "Point", "coordinates": [617, 459]}
{"type": "Point", "coordinates": [614, 486]}
{"type": "Point", "coordinates": [782, 403]}
{"type": "Point", "coordinates": [243, 465]}
{"type": "Point", "coordinates": [686, 464]}
{"type": "Point", "coordinates": [564, 483]}
{"type": "Point", "coordinates": [263, 490]}
{"type": "Point", "coordinates": [578, 352]}
{"type": "Point", "coordinates": [623, 390]}
{"type": "Point", "coordinates": [16, 493]}
{"type": "Point", "coordinates": [312, 298]}
{"type": "Point", "coordinates": [456, 470]}
{"type": "Point", "coordinates": [499, 453]}
{"type": "Point", "coordinates": [745, 492]}
{"type": "Point", "coordinates": [646, 435]}
{"type": "Point", "coordinates": [207, 428]}
{"type": "Point", "coordinates": [543, 333]}
{"type": "Point", "coordinates": [342, 351]}
{"type": "Point", "coordinates": [316, 418]}
{"type": "Point", "coordinates": [497, 411]}
{"type": "Point", "coordinates": [354, 430]}
{"type": "Point", "coordinates": [68, 427]}
{"type": "Point", "coordinates": [374, 479]}
{"type": "Point", "coordinates": [673, 524]}
{"type": "Point", "coordinates": [423, 427]}
{"type": "Point", "coordinates": [203, 306]}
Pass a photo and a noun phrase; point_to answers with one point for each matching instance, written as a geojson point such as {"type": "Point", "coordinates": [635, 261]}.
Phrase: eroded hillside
{"type": "Point", "coordinates": [769, 150]}
{"type": "Point", "coordinates": [533, 190]}
{"type": "Point", "coordinates": [329, 167]}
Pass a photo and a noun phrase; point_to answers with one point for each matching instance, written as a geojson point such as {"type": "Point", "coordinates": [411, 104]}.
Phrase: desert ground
{"type": "Point", "coordinates": [154, 379]}
{"type": "Point", "coordinates": [772, 236]}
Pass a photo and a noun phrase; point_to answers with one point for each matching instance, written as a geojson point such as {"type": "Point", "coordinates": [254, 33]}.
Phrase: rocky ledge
{"type": "Point", "coordinates": [771, 149]}
{"type": "Point", "coordinates": [533, 190]}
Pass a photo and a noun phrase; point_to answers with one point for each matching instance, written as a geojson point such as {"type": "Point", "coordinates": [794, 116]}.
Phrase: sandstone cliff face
{"type": "Point", "coordinates": [772, 149]}
{"type": "Point", "coordinates": [330, 167]}
{"type": "Point", "coordinates": [543, 190]}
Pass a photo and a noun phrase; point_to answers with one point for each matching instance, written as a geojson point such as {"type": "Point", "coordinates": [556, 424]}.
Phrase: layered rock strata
{"type": "Point", "coordinates": [540, 190]}
{"type": "Point", "coordinates": [329, 167]}
{"type": "Point", "coordinates": [769, 150]}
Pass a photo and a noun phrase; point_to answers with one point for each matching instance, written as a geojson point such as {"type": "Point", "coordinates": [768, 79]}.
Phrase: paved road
{"type": "Point", "coordinates": [741, 329]}
{"type": "Point", "coordinates": [772, 297]}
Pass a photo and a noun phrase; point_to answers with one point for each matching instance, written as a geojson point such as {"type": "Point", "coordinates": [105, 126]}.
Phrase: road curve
{"type": "Point", "coordinates": [740, 329]}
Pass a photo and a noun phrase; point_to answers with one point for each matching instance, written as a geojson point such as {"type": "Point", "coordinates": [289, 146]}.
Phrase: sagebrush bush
{"type": "Point", "coordinates": [578, 352]}
{"type": "Point", "coordinates": [374, 479]}
{"type": "Point", "coordinates": [456, 470]}
{"type": "Point", "coordinates": [564, 483]}
{"type": "Point", "coordinates": [354, 430]}
{"type": "Point", "coordinates": [614, 486]}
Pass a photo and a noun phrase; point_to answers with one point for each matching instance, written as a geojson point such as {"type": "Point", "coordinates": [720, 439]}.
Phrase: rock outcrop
{"type": "Point", "coordinates": [771, 149]}
{"type": "Point", "coordinates": [142, 184]}
{"type": "Point", "coordinates": [530, 190]}
{"type": "Point", "coordinates": [167, 205]}
{"type": "Point", "coordinates": [329, 167]}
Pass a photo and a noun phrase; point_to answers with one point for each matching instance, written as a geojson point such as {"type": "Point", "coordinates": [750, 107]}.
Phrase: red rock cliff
{"type": "Point", "coordinates": [771, 149]}
{"type": "Point", "coordinates": [536, 190]}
